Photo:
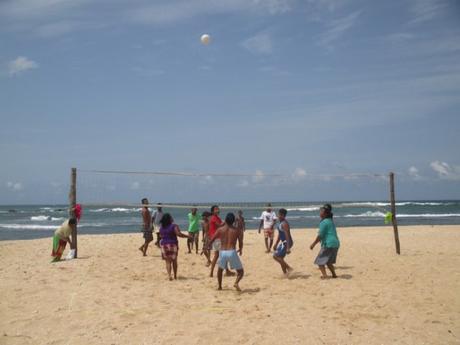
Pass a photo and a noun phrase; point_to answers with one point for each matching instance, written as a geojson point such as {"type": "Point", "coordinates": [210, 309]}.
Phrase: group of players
{"type": "Point", "coordinates": [221, 238]}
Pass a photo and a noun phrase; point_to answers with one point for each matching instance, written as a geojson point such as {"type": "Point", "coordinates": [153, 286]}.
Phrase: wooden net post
{"type": "Point", "coordinates": [72, 203]}
{"type": "Point", "coordinates": [393, 212]}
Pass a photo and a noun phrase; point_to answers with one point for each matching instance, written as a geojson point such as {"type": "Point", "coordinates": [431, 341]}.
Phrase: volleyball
{"type": "Point", "coordinates": [205, 39]}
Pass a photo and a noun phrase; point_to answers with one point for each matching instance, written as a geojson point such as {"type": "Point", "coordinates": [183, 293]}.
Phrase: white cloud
{"type": "Point", "coordinates": [21, 9]}
{"type": "Point", "coordinates": [299, 174]}
{"type": "Point", "coordinates": [274, 6]}
{"type": "Point", "coordinates": [414, 173]}
{"type": "Point", "coordinates": [135, 185]}
{"type": "Point", "coordinates": [58, 28]}
{"type": "Point", "coordinates": [259, 44]}
{"type": "Point", "coordinates": [337, 27]}
{"type": "Point", "coordinates": [258, 177]}
{"type": "Point", "coordinates": [400, 37]}
{"type": "Point", "coordinates": [20, 65]}
{"type": "Point", "coordinates": [174, 11]}
{"type": "Point", "coordinates": [445, 171]}
{"type": "Point", "coordinates": [206, 180]}
{"type": "Point", "coordinates": [425, 10]}
{"type": "Point", "coordinates": [14, 186]}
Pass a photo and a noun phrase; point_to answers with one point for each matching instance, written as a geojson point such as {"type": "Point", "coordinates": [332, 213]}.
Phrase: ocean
{"type": "Point", "coordinates": [38, 221]}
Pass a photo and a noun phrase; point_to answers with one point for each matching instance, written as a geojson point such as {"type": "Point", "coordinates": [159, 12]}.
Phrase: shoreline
{"type": "Point", "coordinates": [49, 233]}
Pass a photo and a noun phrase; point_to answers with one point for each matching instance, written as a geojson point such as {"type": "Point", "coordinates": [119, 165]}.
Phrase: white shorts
{"type": "Point", "coordinates": [216, 245]}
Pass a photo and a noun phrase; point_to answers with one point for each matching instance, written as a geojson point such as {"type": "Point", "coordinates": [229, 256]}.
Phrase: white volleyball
{"type": "Point", "coordinates": [205, 39]}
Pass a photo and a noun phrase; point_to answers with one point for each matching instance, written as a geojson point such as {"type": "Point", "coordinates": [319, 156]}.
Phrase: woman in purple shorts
{"type": "Point", "coordinates": [169, 244]}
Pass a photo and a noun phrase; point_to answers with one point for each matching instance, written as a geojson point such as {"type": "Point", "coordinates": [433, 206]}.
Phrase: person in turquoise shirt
{"type": "Point", "coordinates": [327, 235]}
{"type": "Point", "coordinates": [193, 230]}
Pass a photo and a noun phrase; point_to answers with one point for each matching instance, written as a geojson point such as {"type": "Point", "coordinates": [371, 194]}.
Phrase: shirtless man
{"type": "Point", "coordinates": [228, 235]}
{"type": "Point", "coordinates": [146, 227]}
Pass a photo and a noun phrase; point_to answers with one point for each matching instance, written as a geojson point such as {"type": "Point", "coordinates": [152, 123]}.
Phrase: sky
{"type": "Point", "coordinates": [306, 89]}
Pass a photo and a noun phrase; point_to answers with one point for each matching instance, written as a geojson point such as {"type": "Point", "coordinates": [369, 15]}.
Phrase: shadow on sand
{"type": "Point", "coordinates": [345, 276]}
{"type": "Point", "coordinates": [295, 275]}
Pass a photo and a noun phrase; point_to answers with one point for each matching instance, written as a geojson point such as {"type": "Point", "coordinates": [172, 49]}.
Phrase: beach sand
{"type": "Point", "coordinates": [113, 295]}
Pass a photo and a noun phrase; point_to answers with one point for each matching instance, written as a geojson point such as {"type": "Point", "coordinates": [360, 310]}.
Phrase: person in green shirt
{"type": "Point", "coordinates": [193, 230]}
{"type": "Point", "coordinates": [330, 243]}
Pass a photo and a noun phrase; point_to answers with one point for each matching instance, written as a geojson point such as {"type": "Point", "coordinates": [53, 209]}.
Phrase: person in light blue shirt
{"type": "Point", "coordinates": [330, 243]}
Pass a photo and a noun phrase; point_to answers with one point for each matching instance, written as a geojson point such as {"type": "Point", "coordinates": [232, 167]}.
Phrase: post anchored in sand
{"type": "Point", "coordinates": [393, 212]}
{"type": "Point", "coordinates": [72, 204]}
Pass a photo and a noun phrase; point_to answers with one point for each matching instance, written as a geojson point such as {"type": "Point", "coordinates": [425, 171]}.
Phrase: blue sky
{"type": "Point", "coordinates": [300, 88]}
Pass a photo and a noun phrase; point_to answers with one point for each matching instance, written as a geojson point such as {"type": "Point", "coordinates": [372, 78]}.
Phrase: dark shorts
{"type": "Point", "coordinates": [281, 250]}
{"type": "Point", "coordinates": [148, 236]}
{"type": "Point", "coordinates": [326, 256]}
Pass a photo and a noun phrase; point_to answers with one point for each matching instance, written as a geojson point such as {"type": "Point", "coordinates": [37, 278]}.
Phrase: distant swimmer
{"type": "Point", "coordinates": [268, 220]}
{"type": "Point", "coordinates": [169, 244]}
{"type": "Point", "coordinates": [284, 242]}
{"type": "Point", "coordinates": [228, 235]}
{"type": "Point", "coordinates": [62, 237]}
{"type": "Point", "coordinates": [146, 227]}
{"type": "Point", "coordinates": [327, 235]}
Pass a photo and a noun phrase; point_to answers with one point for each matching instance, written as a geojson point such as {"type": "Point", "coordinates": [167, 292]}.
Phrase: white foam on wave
{"type": "Point", "coordinates": [119, 209]}
{"type": "Point", "coordinates": [428, 215]}
{"type": "Point", "coordinates": [365, 204]}
{"type": "Point", "coordinates": [402, 203]}
{"type": "Point", "coordinates": [116, 209]}
{"type": "Point", "coordinates": [370, 214]}
{"type": "Point", "coordinates": [49, 226]}
{"type": "Point", "coordinates": [40, 218]}
{"type": "Point", "coordinates": [367, 214]}
{"type": "Point", "coordinates": [96, 225]}
{"type": "Point", "coordinates": [99, 210]}
{"type": "Point", "coordinates": [28, 227]}
{"type": "Point", "coordinates": [304, 209]}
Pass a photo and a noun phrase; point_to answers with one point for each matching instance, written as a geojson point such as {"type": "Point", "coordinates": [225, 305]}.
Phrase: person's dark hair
{"type": "Point", "coordinates": [213, 207]}
{"type": "Point", "coordinates": [144, 201]}
{"type": "Point", "coordinates": [166, 220]}
{"type": "Point", "coordinates": [205, 214]}
{"type": "Point", "coordinates": [230, 218]}
{"type": "Point", "coordinates": [328, 210]}
{"type": "Point", "coordinates": [72, 221]}
{"type": "Point", "coordinates": [283, 211]}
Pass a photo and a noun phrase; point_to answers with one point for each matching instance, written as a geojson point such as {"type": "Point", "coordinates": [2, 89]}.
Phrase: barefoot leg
{"type": "Point", "coordinates": [213, 263]}
{"type": "Point", "coordinates": [219, 277]}
{"type": "Point", "coordinates": [322, 268]}
{"type": "Point", "coordinates": [332, 269]}
{"type": "Point", "coordinates": [174, 263]}
{"type": "Point", "coordinates": [239, 276]}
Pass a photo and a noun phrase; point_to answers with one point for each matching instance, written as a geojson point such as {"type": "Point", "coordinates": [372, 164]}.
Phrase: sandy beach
{"type": "Point", "coordinates": [113, 295]}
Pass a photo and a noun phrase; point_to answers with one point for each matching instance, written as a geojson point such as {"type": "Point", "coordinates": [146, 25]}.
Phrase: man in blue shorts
{"type": "Point", "coordinates": [228, 236]}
